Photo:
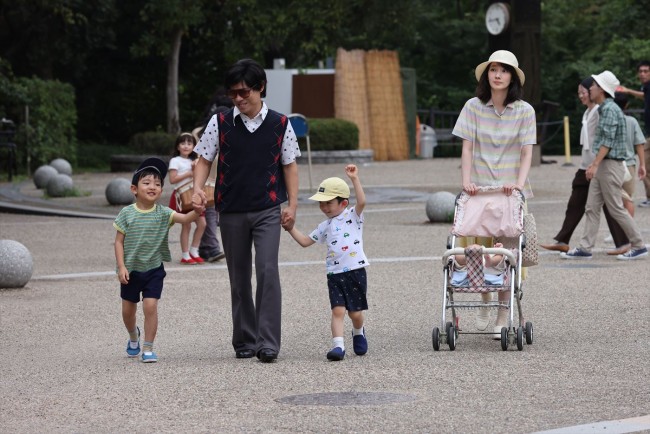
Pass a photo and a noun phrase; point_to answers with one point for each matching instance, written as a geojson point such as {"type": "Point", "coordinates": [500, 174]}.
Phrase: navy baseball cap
{"type": "Point", "coordinates": [152, 163]}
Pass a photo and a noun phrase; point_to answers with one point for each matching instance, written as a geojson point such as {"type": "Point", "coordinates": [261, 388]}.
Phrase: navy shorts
{"type": "Point", "coordinates": [348, 289]}
{"type": "Point", "coordinates": [149, 283]}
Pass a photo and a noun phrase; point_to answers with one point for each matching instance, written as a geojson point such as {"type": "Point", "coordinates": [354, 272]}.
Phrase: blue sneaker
{"type": "Point", "coordinates": [360, 343]}
{"type": "Point", "coordinates": [336, 354]}
{"type": "Point", "coordinates": [149, 357]}
{"type": "Point", "coordinates": [576, 253]}
{"type": "Point", "coordinates": [132, 351]}
{"type": "Point", "coordinates": [633, 254]}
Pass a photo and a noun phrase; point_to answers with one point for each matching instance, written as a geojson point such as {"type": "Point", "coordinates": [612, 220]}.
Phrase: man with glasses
{"type": "Point", "coordinates": [256, 172]}
{"type": "Point", "coordinates": [643, 71]}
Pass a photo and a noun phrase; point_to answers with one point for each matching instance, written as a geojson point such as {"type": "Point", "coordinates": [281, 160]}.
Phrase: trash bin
{"type": "Point", "coordinates": [428, 141]}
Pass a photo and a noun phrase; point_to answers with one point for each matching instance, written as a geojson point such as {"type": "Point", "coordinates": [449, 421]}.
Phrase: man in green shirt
{"type": "Point", "coordinates": [607, 173]}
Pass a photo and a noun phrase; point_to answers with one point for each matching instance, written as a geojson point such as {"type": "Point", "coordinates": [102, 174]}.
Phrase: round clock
{"type": "Point", "coordinates": [497, 18]}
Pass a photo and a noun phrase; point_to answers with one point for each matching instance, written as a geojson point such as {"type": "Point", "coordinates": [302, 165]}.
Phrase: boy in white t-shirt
{"type": "Point", "coordinates": [342, 232]}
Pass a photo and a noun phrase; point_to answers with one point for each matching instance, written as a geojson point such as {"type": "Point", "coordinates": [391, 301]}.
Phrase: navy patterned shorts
{"type": "Point", "coordinates": [348, 289]}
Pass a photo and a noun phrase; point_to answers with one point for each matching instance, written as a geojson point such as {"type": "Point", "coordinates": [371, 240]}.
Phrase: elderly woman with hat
{"type": "Point", "coordinates": [498, 130]}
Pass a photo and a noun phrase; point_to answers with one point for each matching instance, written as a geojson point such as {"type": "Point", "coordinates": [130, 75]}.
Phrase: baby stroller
{"type": "Point", "coordinates": [489, 213]}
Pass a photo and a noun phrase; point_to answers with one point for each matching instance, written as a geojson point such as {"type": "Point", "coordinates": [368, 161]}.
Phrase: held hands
{"type": "Point", "coordinates": [288, 217]}
{"type": "Point", "coordinates": [199, 201]}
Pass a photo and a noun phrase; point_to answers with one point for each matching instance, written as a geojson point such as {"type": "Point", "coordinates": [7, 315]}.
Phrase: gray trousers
{"type": "Point", "coordinates": [209, 241]}
{"type": "Point", "coordinates": [605, 188]}
{"type": "Point", "coordinates": [255, 325]}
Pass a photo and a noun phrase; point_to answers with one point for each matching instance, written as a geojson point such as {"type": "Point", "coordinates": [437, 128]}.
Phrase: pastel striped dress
{"type": "Point", "coordinates": [498, 140]}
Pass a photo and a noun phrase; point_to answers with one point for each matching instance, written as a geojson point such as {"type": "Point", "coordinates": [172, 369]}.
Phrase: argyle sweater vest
{"type": "Point", "coordinates": [249, 170]}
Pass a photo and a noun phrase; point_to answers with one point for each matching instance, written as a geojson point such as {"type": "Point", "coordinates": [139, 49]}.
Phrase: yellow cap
{"type": "Point", "coordinates": [330, 189]}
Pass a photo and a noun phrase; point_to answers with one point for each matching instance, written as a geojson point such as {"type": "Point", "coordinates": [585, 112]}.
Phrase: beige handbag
{"type": "Point", "coordinates": [529, 255]}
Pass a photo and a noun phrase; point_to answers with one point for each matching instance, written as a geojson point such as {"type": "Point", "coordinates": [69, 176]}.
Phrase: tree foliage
{"type": "Point", "coordinates": [119, 54]}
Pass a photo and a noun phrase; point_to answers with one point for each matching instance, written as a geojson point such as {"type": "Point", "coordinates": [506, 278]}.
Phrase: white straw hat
{"type": "Point", "coordinates": [501, 56]}
{"type": "Point", "coordinates": [607, 81]}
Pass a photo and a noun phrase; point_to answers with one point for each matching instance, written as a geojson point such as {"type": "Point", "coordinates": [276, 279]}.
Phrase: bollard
{"type": "Point", "coordinates": [567, 143]}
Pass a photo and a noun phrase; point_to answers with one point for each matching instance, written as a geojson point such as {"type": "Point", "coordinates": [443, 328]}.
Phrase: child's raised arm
{"type": "Point", "coordinates": [300, 238]}
{"type": "Point", "coordinates": [353, 173]}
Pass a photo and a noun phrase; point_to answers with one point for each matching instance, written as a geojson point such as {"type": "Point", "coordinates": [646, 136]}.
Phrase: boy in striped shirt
{"type": "Point", "coordinates": [141, 246]}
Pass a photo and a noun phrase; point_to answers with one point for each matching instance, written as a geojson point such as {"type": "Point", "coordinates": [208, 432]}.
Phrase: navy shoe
{"type": "Point", "coordinates": [133, 351]}
{"type": "Point", "coordinates": [633, 254]}
{"type": "Point", "coordinates": [360, 343]}
{"type": "Point", "coordinates": [336, 354]}
{"type": "Point", "coordinates": [213, 256]}
{"type": "Point", "coordinates": [576, 253]}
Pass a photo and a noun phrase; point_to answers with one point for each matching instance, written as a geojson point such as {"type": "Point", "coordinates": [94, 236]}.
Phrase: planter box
{"type": "Point", "coordinates": [357, 156]}
{"type": "Point", "coordinates": [130, 163]}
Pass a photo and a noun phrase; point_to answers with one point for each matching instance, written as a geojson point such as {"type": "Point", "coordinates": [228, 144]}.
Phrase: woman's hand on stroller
{"type": "Point", "coordinates": [470, 188]}
{"type": "Point", "coordinates": [508, 188]}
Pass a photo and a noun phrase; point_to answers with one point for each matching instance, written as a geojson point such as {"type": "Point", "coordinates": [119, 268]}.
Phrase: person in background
{"type": "Point", "coordinates": [607, 172]}
{"type": "Point", "coordinates": [181, 168]}
{"type": "Point", "coordinates": [643, 72]}
{"type": "Point", "coordinates": [575, 209]}
{"type": "Point", "coordinates": [210, 248]}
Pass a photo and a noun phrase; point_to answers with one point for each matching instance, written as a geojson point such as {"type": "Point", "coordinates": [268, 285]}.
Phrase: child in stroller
{"type": "Point", "coordinates": [494, 264]}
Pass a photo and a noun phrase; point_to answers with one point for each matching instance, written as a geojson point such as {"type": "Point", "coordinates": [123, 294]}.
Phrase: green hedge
{"type": "Point", "coordinates": [52, 121]}
{"type": "Point", "coordinates": [152, 143]}
{"type": "Point", "coordinates": [52, 117]}
{"type": "Point", "coordinates": [331, 135]}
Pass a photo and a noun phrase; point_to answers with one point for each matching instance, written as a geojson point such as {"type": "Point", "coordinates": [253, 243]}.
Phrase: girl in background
{"type": "Point", "coordinates": [181, 168]}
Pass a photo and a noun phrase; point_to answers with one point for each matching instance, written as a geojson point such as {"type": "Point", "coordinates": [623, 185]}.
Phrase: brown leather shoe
{"type": "Point", "coordinates": [620, 250]}
{"type": "Point", "coordinates": [557, 247]}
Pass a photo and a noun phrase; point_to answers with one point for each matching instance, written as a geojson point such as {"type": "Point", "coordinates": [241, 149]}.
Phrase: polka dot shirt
{"type": "Point", "coordinates": [208, 146]}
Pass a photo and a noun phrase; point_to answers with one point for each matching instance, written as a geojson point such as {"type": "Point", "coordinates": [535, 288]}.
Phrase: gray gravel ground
{"type": "Point", "coordinates": [62, 341]}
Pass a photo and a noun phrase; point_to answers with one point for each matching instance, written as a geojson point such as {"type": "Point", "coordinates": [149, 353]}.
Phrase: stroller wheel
{"type": "Point", "coordinates": [529, 333]}
{"type": "Point", "coordinates": [451, 338]}
{"type": "Point", "coordinates": [504, 338]}
{"type": "Point", "coordinates": [447, 327]}
{"type": "Point", "coordinates": [520, 338]}
{"type": "Point", "coordinates": [435, 337]}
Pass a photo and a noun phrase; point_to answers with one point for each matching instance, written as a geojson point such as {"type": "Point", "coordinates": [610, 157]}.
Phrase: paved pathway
{"type": "Point", "coordinates": [64, 369]}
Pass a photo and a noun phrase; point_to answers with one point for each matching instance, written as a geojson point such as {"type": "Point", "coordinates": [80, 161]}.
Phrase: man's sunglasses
{"type": "Point", "coordinates": [243, 92]}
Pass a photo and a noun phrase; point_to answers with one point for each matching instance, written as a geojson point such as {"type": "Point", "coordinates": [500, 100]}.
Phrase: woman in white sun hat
{"type": "Point", "coordinates": [498, 130]}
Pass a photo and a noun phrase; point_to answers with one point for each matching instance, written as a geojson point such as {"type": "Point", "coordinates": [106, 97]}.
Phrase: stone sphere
{"type": "Point", "coordinates": [16, 265]}
{"type": "Point", "coordinates": [59, 184]}
{"type": "Point", "coordinates": [43, 175]}
{"type": "Point", "coordinates": [62, 166]}
{"type": "Point", "coordinates": [440, 207]}
{"type": "Point", "coordinates": [118, 192]}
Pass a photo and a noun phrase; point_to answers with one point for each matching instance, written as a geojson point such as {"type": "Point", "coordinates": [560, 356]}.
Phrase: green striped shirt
{"type": "Point", "coordinates": [146, 243]}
